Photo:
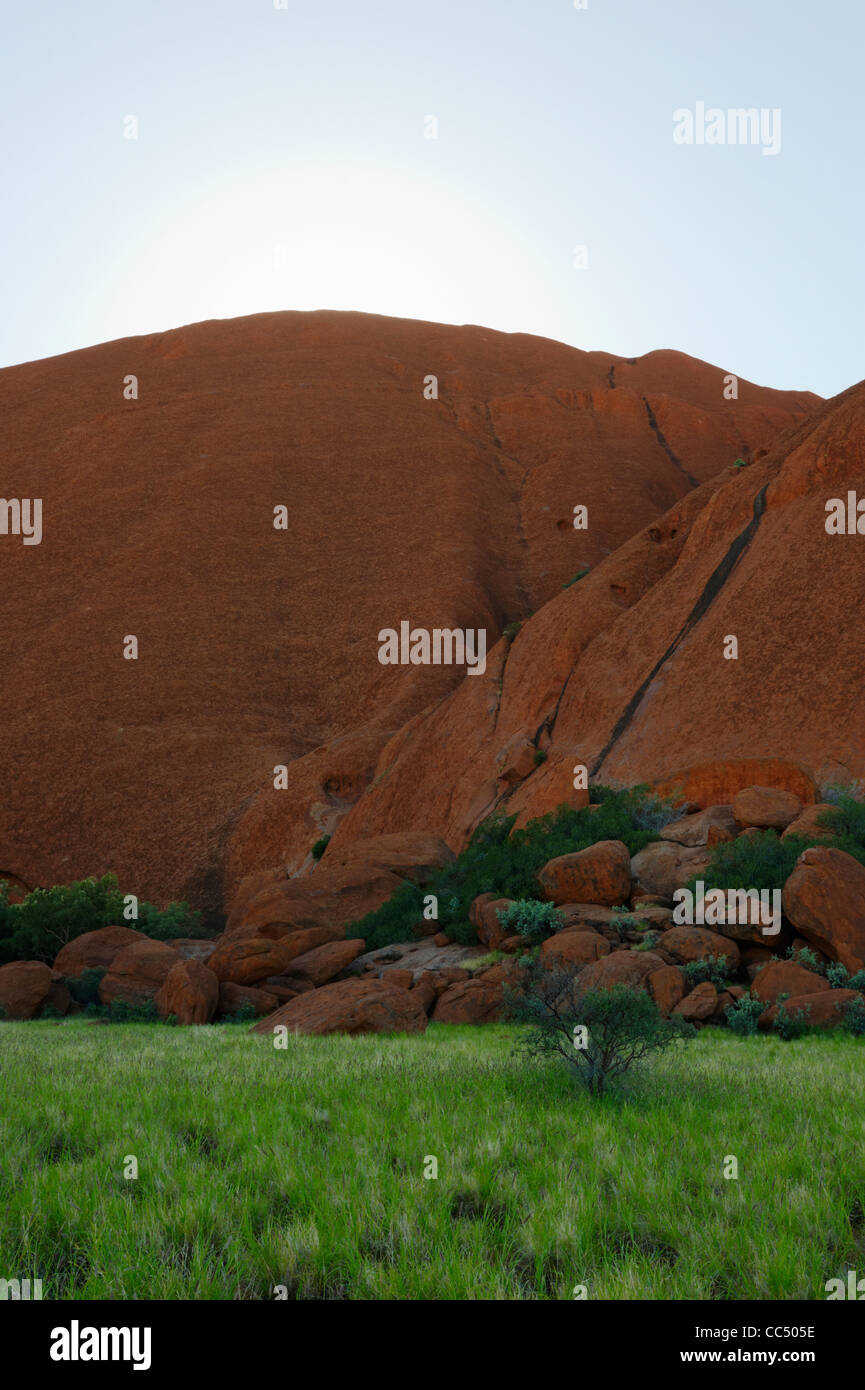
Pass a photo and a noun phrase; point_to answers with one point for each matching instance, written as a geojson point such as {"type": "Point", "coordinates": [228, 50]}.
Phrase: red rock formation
{"type": "Point", "coordinates": [258, 647]}
{"type": "Point", "coordinates": [625, 673]}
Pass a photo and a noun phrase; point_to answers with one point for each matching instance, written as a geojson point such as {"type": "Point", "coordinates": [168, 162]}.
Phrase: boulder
{"type": "Point", "coordinates": [327, 897]}
{"type": "Point", "coordinates": [824, 898]}
{"type": "Point", "coordinates": [516, 759]}
{"type": "Point", "coordinates": [574, 948]}
{"type": "Point", "coordinates": [694, 830]}
{"type": "Point", "coordinates": [233, 997]}
{"type": "Point", "coordinates": [137, 973]}
{"type": "Point", "coordinates": [686, 944]}
{"type": "Point", "coordinates": [321, 965]}
{"type": "Point", "coordinates": [470, 1001]}
{"type": "Point", "coordinates": [807, 824]}
{"type": "Point", "coordinates": [94, 950]}
{"type": "Point", "coordinates": [484, 914]}
{"type": "Point", "coordinates": [190, 992]}
{"type": "Point", "coordinates": [247, 959]}
{"type": "Point", "coordinates": [631, 968]}
{"type": "Point", "coordinates": [825, 1009]}
{"type": "Point", "coordinates": [351, 1006]}
{"type": "Point", "coordinates": [663, 866]}
{"type": "Point", "coordinates": [397, 975]}
{"type": "Point", "coordinates": [766, 808]}
{"type": "Point", "coordinates": [785, 977]}
{"type": "Point", "coordinates": [700, 1004]}
{"type": "Point", "coordinates": [192, 948]}
{"type": "Point", "coordinates": [24, 988]}
{"type": "Point", "coordinates": [599, 874]}
{"type": "Point", "coordinates": [58, 997]}
{"type": "Point", "coordinates": [667, 988]}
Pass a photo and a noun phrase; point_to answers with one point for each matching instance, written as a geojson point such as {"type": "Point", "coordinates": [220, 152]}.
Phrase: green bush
{"type": "Point", "coordinates": [759, 861]}
{"type": "Point", "coordinates": [837, 975]}
{"type": "Point", "coordinates": [805, 957]}
{"type": "Point", "coordinates": [498, 861]}
{"type": "Point", "coordinates": [622, 1026]}
{"type": "Point", "coordinates": [319, 847]}
{"type": "Point", "coordinates": [37, 927]}
{"type": "Point", "coordinates": [854, 1018]}
{"type": "Point", "coordinates": [744, 1015]}
{"type": "Point", "coordinates": [531, 919]}
{"type": "Point", "coordinates": [788, 1025]}
{"type": "Point", "coordinates": [580, 574]}
{"type": "Point", "coordinates": [713, 968]}
{"type": "Point", "coordinates": [85, 989]}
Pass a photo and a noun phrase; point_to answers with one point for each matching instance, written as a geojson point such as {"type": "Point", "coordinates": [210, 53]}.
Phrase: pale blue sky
{"type": "Point", "coordinates": [281, 164]}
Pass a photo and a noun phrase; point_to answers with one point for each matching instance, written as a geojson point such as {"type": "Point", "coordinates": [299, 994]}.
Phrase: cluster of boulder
{"type": "Point", "coordinates": [287, 957]}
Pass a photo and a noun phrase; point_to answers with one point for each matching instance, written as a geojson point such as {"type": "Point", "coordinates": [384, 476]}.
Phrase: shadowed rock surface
{"type": "Point", "coordinates": [259, 647]}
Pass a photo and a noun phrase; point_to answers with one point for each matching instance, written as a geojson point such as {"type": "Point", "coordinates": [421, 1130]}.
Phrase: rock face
{"type": "Point", "coordinates": [351, 1006]}
{"type": "Point", "coordinates": [600, 874]}
{"type": "Point", "coordinates": [470, 527]}
{"type": "Point", "coordinates": [824, 898]}
{"type": "Point", "coordinates": [616, 671]}
{"type": "Point", "coordinates": [825, 1009]}
{"type": "Point", "coordinates": [24, 988]}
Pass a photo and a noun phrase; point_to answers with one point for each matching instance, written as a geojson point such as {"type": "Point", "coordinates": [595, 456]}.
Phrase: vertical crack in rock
{"type": "Point", "coordinates": [711, 589]}
{"type": "Point", "coordinates": [677, 462]}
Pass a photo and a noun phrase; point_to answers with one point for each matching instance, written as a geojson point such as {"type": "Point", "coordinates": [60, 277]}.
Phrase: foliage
{"type": "Point", "coordinates": [758, 861]}
{"type": "Point", "coordinates": [837, 975]}
{"type": "Point", "coordinates": [319, 847]}
{"type": "Point", "coordinates": [499, 859]}
{"type": "Point", "coordinates": [530, 919]}
{"type": "Point", "coordinates": [854, 1018]}
{"type": "Point", "coordinates": [599, 1034]}
{"type": "Point", "coordinates": [581, 574]}
{"type": "Point", "coordinates": [744, 1015]}
{"type": "Point", "coordinates": [790, 1026]}
{"type": "Point", "coordinates": [37, 927]}
{"type": "Point", "coordinates": [85, 989]}
{"type": "Point", "coordinates": [714, 968]}
{"type": "Point", "coordinates": [804, 956]}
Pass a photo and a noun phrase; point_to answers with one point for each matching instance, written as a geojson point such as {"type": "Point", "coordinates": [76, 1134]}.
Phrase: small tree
{"type": "Point", "coordinates": [600, 1034]}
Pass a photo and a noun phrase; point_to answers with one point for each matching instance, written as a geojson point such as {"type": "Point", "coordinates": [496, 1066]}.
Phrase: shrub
{"type": "Point", "coordinates": [580, 574]}
{"type": "Point", "coordinates": [761, 861]}
{"type": "Point", "coordinates": [85, 989]}
{"type": "Point", "coordinates": [836, 974]}
{"type": "Point", "coordinates": [531, 919]}
{"type": "Point", "coordinates": [713, 968]}
{"type": "Point", "coordinates": [805, 957]}
{"type": "Point", "coordinates": [599, 1034]}
{"type": "Point", "coordinates": [791, 1026]}
{"type": "Point", "coordinates": [319, 847]}
{"type": "Point", "coordinates": [510, 632]}
{"type": "Point", "coordinates": [854, 1018]}
{"type": "Point", "coordinates": [540, 756]}
{"type": "Point", "coordinates": [847, 820]}
{"type": "Point", "coordinates": [37, 927]}
{"type": "Point", "coordinates": [744, 1015]}
{"type": "Point", "coordinates": [499, 859]}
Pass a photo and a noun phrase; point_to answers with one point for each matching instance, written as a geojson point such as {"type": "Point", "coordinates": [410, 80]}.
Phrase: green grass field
{"type": "Point", "coordinates": [261, 1167]}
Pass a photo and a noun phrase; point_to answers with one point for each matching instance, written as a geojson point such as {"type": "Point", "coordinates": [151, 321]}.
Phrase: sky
{"type": "Point", "coordinates": [444, 160]}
